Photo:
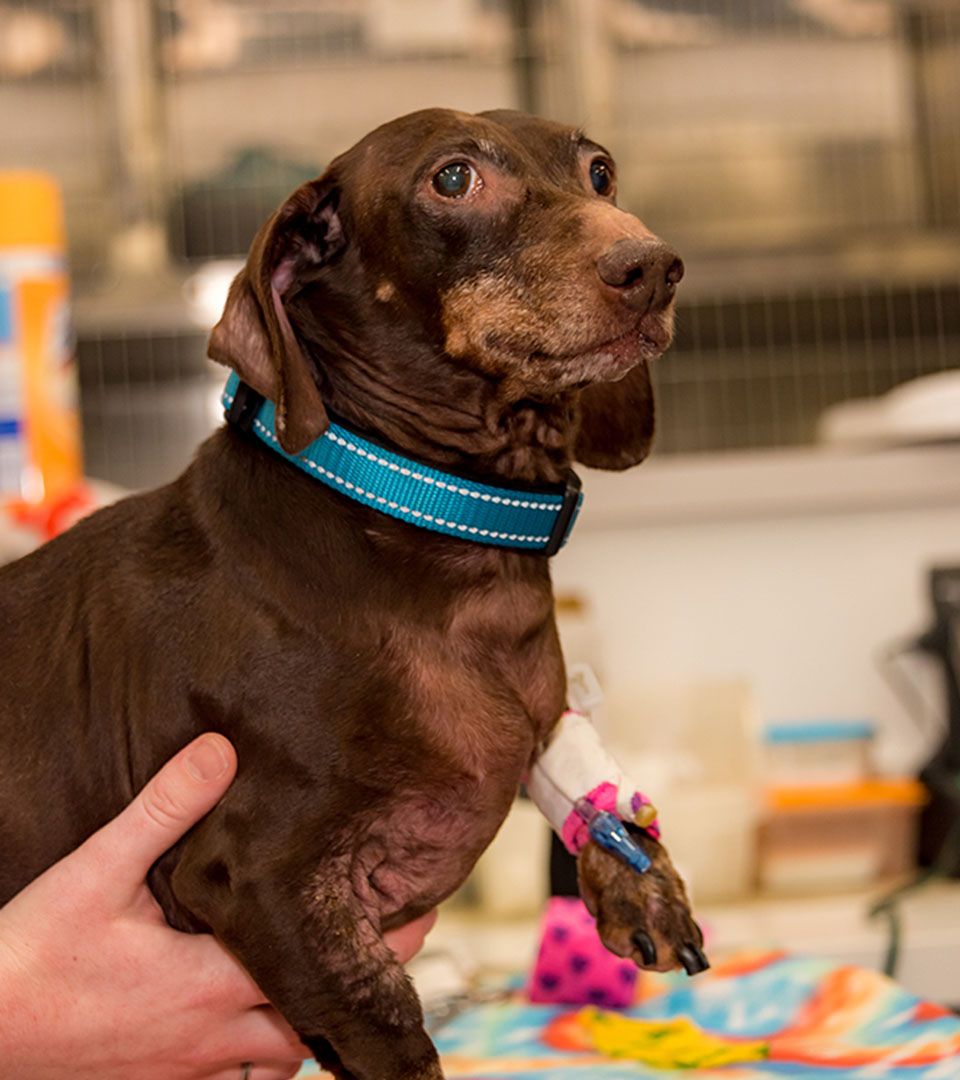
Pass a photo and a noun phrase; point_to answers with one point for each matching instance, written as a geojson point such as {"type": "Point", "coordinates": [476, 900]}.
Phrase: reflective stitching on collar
{"type": "Point", "coordinates": [470, 530]}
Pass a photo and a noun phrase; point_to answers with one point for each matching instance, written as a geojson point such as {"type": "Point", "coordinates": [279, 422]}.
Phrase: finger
{"type": "Point", "coordinates": [242, 987]}
{"type": "Point", "coordinates": [407, 941]}
{"type": "Point", "coordinates": [261, 1070]}
{"type": "Point", "coordinates": [259, 1035]}
{"type": "Point", "coordinates": [185, 789]}
{"type": "Point", "coordinates": [226, 982]}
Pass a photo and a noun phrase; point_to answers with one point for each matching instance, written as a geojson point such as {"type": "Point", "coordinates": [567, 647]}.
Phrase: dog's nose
{"type": "Point", "coordinates": [646, 272]}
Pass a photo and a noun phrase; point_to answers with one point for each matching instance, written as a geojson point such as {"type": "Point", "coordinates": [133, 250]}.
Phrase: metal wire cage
{"type": "Point", "coordinates": [804, 156]}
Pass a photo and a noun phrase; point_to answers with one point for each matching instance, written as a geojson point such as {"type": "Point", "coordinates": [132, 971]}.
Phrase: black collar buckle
{"type": "Point", "coordinates": [245, 406]}
{"type": "Point", "coordinates": [564, 523]}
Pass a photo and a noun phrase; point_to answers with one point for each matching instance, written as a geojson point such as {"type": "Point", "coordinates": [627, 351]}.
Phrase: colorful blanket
{"type": "Point", "coordinates": [759, 1017]}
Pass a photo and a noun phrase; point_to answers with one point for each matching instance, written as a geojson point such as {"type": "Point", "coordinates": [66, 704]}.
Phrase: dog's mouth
{"type": "Point", "coordinates": [648, 337]}
{"type": "Point", "coordinates": [647, 340]}
{"type": "Point", "coordinates": [611, 358]}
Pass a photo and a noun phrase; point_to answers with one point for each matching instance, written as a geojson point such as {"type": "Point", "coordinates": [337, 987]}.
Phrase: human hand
{"type": "Point", "coordinates": [94, 985]}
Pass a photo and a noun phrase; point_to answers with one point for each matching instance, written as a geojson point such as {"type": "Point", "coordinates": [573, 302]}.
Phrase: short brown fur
{"type": "Point", "coordinates": [385, 687]}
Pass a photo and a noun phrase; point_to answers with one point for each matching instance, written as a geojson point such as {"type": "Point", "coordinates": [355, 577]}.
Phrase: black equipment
{"type": "Point", "coordinates": [941, 818]}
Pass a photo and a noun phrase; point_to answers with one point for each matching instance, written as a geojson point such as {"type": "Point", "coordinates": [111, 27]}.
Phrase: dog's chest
{"type": "Point", "coordinates": [475, 750]}
{"type": "Point", "coordinates": [462, 658]}
{"type": "Point", "coordinates": [488, 682]}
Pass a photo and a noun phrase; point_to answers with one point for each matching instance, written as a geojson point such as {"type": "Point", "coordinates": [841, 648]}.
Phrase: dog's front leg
{"type": "Point", "coordinates": [642, 909]}
{"type": "Point", "coordinates": [320, 959]}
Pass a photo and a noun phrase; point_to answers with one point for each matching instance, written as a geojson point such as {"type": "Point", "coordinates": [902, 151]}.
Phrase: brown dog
{"type": "Point", "coordinates": [465, 289]}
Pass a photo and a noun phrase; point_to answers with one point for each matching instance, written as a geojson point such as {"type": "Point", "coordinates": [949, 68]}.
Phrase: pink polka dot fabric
{"type": "Point", "coordinates": [573, 967]}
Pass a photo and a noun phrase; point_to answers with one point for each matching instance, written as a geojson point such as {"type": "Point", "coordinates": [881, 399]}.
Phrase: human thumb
{"type": "Point", "coordinates": [177, 797]}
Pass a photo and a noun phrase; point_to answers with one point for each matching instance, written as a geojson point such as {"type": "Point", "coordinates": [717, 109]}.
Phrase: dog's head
{"type": "Point", "coordinates": [447, 253]}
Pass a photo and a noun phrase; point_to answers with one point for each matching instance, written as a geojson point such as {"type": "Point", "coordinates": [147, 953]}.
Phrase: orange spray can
{"type": "Point", "coordinates": [40, 450]}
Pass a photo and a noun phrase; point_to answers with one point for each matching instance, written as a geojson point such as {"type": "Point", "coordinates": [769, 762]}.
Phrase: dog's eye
{"type": "Point", "coordinates": [601, 176]}
{"type": "Point", "coordinates": [456, 180]}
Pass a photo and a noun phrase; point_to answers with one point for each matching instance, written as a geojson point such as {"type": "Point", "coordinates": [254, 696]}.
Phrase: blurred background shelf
{"type": "Point", "coordinates": [797, 480]}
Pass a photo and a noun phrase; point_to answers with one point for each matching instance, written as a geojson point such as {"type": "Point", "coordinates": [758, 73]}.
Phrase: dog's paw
{"type": "Point", "coordinates": [644, 916]}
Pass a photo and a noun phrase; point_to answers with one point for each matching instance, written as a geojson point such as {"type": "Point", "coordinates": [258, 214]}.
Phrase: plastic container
{"type": "Point", "coordinates": [820, 752]}
{"type": "Point", "coordinates": [40, 457]}
{"type": "Point", "coordinates": [694, 749]}
{"type": "Point", "coordinates": [838, 837]}
{"type": "Point", "coordinates": [711, 834]}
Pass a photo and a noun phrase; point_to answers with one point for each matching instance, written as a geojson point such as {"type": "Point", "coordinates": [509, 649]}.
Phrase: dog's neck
{"type": "Point", "coordinates": [522, 441]}
{"type": "Point", "coordinates": [437, 412]}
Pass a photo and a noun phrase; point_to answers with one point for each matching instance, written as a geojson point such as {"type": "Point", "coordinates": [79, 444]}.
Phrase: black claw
{"type": "Point", "coordinates": [692, 959]}
{"type": "Point", "coordinates": [646, 946]}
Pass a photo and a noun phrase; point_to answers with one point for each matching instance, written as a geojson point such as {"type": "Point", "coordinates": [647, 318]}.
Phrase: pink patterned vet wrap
{"type": "Point", "coordinates": [604, 797]}
{"type": "Point", "coordinates": [573, 967]}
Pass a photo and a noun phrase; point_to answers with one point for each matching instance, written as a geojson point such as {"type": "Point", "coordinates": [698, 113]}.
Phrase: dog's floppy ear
{"type": "Point", "coordinates": [617, 421]}
{"type": "Point", "coordinates": [254, 335]}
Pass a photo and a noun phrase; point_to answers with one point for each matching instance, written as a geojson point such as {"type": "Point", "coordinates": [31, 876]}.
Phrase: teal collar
{"type": "Point", "coordinates": [527, 519]}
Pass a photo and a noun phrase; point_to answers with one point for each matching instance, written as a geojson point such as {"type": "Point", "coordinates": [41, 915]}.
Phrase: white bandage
{"type": "Point", "coordinates": [575, 765]}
